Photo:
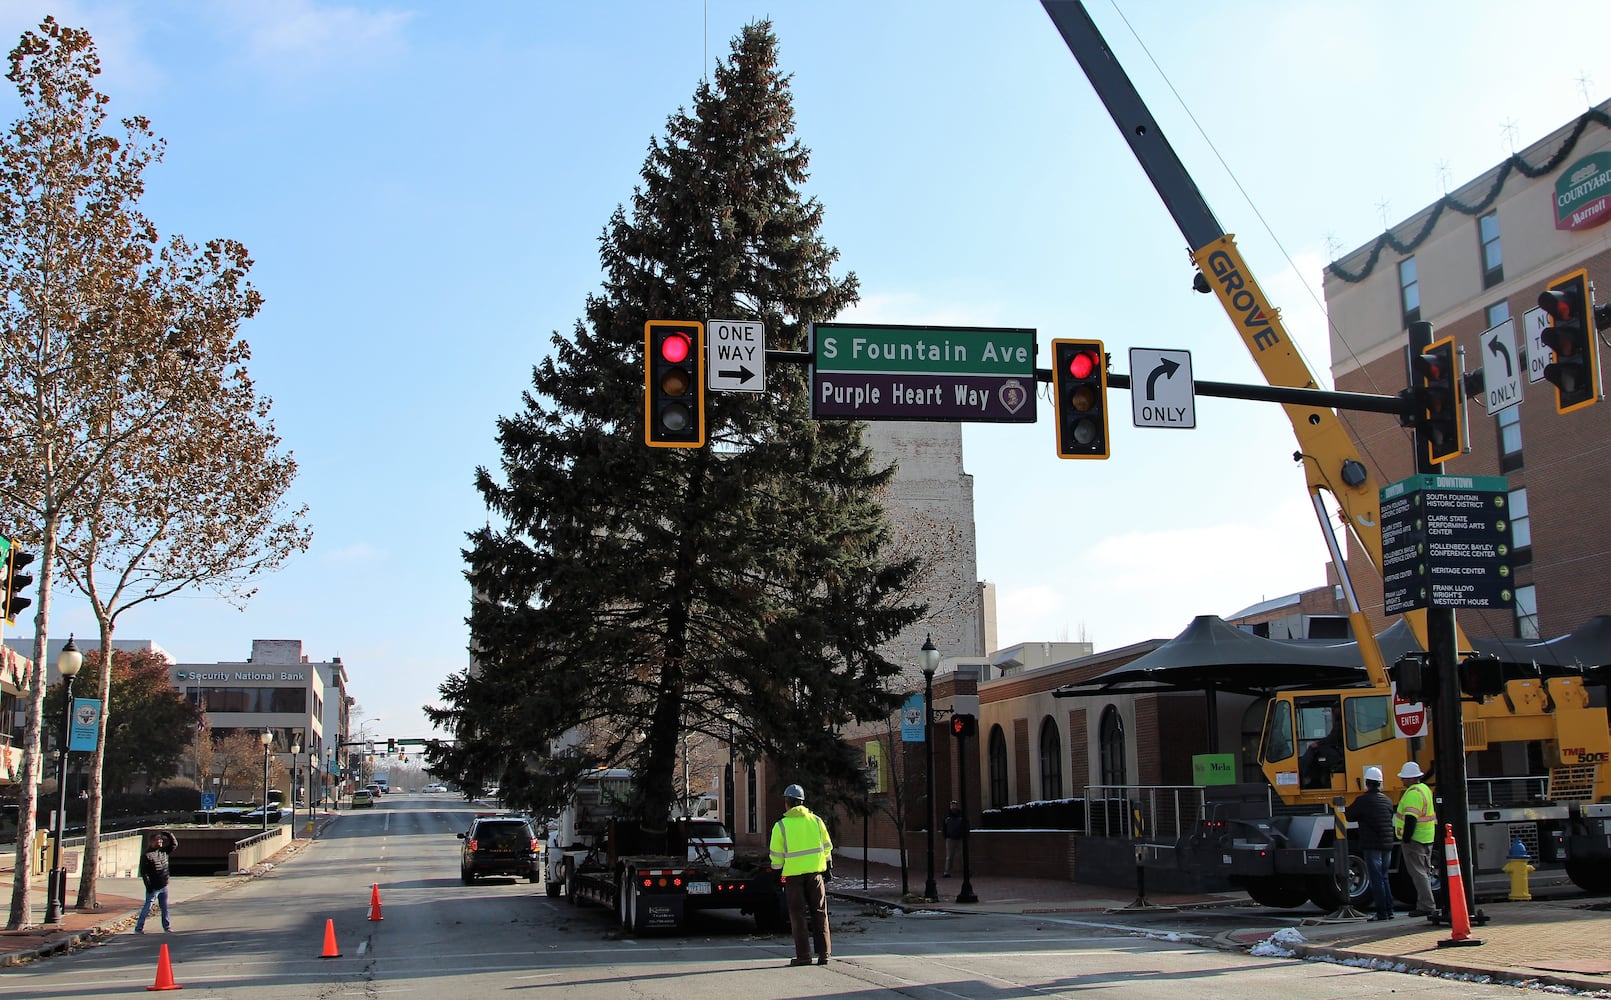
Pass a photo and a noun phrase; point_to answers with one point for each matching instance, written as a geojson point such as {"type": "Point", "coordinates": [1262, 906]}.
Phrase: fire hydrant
{"type": "Point", "coordinates": [1518, 869]}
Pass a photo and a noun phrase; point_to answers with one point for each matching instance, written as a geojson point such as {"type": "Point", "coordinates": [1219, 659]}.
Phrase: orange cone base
{"type": "Point", "coordinates": [164, 973]}
{"type": "Point", "coordinates": [330, 949]}
{"type": "Point", "coordinates": [1459, 942]}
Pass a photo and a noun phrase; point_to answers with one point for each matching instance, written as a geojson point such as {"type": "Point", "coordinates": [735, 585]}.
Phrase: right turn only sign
{"type": "Point", "coordinates": [1161, 391]}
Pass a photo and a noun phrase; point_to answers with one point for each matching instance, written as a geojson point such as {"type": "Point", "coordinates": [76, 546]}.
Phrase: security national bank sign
{"type": "Point", "coordinates": [1583, 193]}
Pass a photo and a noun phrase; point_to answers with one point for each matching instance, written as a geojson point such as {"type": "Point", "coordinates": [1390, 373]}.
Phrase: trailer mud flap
{"type": "Point", "coordinates": [660, 913]}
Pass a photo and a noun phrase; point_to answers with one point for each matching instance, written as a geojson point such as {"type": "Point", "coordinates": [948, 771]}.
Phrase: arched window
{"type": "Point", "coordinates": [998, 768]}
{"type": "Point", "coordinates": [1114, 771]}
{"type": "Point", "coordinates": [1051, 761]}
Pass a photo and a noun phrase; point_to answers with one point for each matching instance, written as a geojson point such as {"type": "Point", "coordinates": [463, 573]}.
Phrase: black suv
{"type": "Point", "coordinates": [499, 845]}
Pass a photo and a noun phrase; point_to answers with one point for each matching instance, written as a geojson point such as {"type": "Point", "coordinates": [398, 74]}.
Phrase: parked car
{"type": "Point", "coordinates": [709, 836]}
{"type": "Point", "coordinates": [434, 788]}
{"type": "Point", "coordinates": [499, 845]}
{"type": "Point", "coordinates": [362, 799]}
{"type": "Point", "coordinates": [255, 817]}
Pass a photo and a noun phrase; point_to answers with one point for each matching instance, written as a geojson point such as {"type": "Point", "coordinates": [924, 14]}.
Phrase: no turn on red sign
{"type": "Point", "coordinates": [1409, 717]}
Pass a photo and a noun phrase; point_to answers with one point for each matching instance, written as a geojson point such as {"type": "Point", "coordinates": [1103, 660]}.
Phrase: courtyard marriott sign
{"type": "Point", "coordinates": [1582, 192]}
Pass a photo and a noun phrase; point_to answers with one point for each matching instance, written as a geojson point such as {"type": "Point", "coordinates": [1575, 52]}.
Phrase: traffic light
{"type": "Point", "coordinates": [1080, 378]}
{"type": "Point", "coordinates": [1482, 676]}
{"type": "Point", "coordinates": [391, 746]}
{"type": "Point", "coordinates": [673, 384]}
{"type": "Point", "coordinates": [1414, 677]}
{"type": "Point", "coordinates": [1575, 372]}
{"type": "Point", "coordinates": [1443, 413]}
{"type": "Point", "coordinates": [15, 580]}
{"type": "Point", "coordinates": [964, 725]}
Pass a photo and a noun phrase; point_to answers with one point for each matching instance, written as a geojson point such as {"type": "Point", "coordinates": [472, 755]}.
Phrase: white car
{"type": "Point", "coordinates": [709, 837]}
{"type": "Point", "coordinates": [434, 788]}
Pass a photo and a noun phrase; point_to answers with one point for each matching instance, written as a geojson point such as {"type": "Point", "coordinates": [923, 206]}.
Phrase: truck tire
{"type": "Point", "coordinates": [570, 881]}
{"type": "Point", "coordinates": [1593, 876]}
{"type": "Point", "coordinates": [1275, 891]}
{"type": "Point", "coordinates": [1323, 889]}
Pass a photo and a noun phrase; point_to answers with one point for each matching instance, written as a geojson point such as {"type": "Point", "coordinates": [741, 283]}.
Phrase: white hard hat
{"type": "Point", "coordinates": [1410, 770]}
{"type": "Point", "coordinates": [1373, 773]}
{"type": "Point", "coordinates": [797, 793]}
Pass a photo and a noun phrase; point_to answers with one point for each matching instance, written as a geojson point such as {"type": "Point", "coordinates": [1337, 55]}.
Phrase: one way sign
{"type": "Point", "coordinates": [735, 355]}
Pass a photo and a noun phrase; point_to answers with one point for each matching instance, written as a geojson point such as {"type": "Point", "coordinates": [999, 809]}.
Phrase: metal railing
{"type": "Point", "coordinates": [1494, 792]}
{"type": "Point", "coordinates": [1141, 812]}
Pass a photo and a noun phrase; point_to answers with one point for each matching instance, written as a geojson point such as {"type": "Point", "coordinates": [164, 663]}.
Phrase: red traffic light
{"type": "Point", "coordinates": [1082, 364]}
{"type": "Point", "coordinates": [675, 348]}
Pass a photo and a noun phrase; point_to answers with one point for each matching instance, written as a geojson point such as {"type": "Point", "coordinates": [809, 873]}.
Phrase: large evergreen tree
{"type": "Point", "coordinates": [625, 595]}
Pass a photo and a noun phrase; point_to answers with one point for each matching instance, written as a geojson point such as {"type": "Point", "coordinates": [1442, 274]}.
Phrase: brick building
{"type": "Point", "coordinates": [1468, 262]}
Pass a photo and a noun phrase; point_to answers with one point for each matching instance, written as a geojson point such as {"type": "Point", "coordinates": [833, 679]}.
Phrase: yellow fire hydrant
{"type": "Point", "coordinates": [1518, 869]}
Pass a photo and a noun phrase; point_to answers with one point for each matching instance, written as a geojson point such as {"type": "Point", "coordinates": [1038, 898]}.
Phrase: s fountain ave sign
{"type": "Point", "coordinates": [865, 372]}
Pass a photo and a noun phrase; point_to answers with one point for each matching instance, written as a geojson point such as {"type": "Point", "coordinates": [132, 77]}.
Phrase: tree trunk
{"type": "Point", "coordinates": [97, 790]}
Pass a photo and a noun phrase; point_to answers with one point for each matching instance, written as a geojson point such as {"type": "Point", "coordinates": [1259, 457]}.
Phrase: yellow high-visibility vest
{"type": "Point", "coordinates": [1417, 802]}
{"type": "Point", "coordinates": [800, 843]}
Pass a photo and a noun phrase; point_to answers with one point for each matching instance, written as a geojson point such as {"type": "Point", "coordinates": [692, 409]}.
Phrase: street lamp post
{"type": "Point", "coordinates": [267, 738]}
{"type": "Point", "coordinates": [296, 748]}
{"type": "Point", "coordinates": [930, 660]}
{"type": "Point", "coordinates": [67, 663]}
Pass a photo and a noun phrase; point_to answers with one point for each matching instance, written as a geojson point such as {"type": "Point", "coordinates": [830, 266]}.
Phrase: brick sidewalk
{"type": "Point", "coordinates": [1558, 941]}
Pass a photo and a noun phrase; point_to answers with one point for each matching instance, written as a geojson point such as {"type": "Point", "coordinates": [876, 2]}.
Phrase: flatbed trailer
{"type": "Point", "coordinates": [650, 893]}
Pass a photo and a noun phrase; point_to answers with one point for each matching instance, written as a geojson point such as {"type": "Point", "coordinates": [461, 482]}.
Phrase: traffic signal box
{"type": "Point", "coordinates": [1575, 372]}
{"type": "Point", "coordinates": [1080, 380]}
{"type": "Point", "coordinates": [673, 384]}
{"type": "Point", "coordinates": [1443, 412]}
{"type": "Point", "coordinates": [15, 581]}
{"type": "Point", "coordinates": [964, 725]}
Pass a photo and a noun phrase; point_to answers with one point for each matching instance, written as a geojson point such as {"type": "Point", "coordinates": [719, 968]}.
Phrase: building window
{"type": "Point", "coordinates": [1521, 530]}
{"type": "Point", "coordinates": [998, 768]}
{"type": "Point", "coordinates": [1409, 288]}
{"type": "Point", "coordinates": [1508, 421]}
{"type": "Point", "coordinates": [1114, 771]}
{"type": "Point", "coordinates": [1493, 260]}
{"type": "Point", "coordinates": [1051, 761]}
{"type": "Point", "coordinates": [1527, 612]}
{"type": "Point", "coordinates": [750, 798]}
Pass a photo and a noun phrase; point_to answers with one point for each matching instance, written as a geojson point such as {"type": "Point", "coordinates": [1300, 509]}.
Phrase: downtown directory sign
{"type": "Point", "coordinates": [1446, 543]}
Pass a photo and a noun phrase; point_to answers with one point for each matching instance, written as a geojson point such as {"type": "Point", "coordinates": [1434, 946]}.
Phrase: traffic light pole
{"type": "Point", "coordinates": [1448, 723]}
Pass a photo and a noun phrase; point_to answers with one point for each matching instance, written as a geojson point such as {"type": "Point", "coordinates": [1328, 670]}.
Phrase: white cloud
{"type": "Point", "coordinates": [296, 37]}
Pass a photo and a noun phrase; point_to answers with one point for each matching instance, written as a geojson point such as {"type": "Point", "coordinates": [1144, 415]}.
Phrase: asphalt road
{"type": "Point", "coordinates": [437, 937]}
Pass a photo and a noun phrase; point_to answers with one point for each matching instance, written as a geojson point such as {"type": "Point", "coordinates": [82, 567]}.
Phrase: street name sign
{"type": "Point", "coordinates": [864, 372]}
{"type": "Point", "coordinates": [1501, 366]}
{"type": "Point", "coordinates": [1446, 543]}
{"type": "Point", "coordinates": [1161, 389]}
{"type": "Point", "coordinates": [735, 355]}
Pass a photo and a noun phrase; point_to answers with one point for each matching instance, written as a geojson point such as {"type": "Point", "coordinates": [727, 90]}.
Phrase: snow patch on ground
{"type": "Point", "coordinates": [1281, 944]}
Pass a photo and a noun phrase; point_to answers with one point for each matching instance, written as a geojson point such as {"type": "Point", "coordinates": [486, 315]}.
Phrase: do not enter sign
{"type": "Point", "coordinates": [1408, 716]}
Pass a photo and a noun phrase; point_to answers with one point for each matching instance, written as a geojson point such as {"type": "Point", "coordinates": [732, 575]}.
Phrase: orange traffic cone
{"type": "Point", "coordinates": [1459, 916]}
{"type": "Point", "coordinates": [374, 901]}
{"type": "Point", "coordinates": [164, 973]}
{"type": "Point", "coordinates": [330, 949]}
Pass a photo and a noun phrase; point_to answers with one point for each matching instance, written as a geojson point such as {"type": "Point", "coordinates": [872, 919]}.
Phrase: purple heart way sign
{"type": "Point", "coordinates": [866, 372]}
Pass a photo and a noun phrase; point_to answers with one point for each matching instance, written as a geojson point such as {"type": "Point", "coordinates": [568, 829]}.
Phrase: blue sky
{"type": "Point", "coordinates": [423, 186]}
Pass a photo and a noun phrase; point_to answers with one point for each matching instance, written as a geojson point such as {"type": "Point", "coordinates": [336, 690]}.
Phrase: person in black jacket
{"type": "Point", "coordinates": [955, 827]}
{"type": "Point", "coordinates": [1373, 811]}
{"type": "Point", "coordinates": [154, 873]}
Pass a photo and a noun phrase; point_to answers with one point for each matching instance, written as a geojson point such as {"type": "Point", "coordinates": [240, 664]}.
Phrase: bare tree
{"type": "Point", "coordinates": [119, 372]}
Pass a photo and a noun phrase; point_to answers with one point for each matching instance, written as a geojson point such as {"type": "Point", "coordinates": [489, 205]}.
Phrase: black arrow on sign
{"type": "Point", "coordinates": [1166, 369]}
{"type": "Point", "coordinates": [743, 374]}
{"type": "Point", "coordinates": [1499, 347]}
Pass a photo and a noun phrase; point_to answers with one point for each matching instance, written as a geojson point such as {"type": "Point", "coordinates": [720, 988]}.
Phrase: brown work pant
{"type": "Point", "coordinates": [808, 914]}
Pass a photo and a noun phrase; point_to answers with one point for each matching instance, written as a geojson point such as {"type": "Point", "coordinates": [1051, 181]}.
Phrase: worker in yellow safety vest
{"type": "Point", "coordinates": [802, 849]}
{"type": "Point", "coordinates": [1415, 823]}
